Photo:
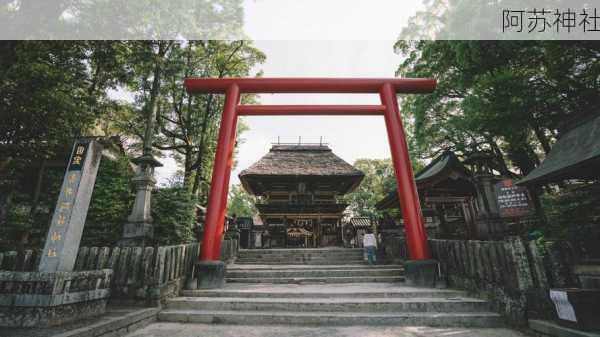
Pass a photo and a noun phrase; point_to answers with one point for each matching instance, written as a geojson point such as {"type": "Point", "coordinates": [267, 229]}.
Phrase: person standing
{"type": "Point", "coordinates": [370, 245]}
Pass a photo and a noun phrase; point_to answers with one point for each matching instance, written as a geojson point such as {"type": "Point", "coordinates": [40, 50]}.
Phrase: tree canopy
{"type": "Point", "coordinates": [506, 98]}
{"type": "Point", "coordinates": [55, 91]}
{"type": "Point", "coordinates": [241, 204]}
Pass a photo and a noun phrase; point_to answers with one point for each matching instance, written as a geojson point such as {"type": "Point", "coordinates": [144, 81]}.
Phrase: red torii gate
{"type": "Point", "coordinates": [387, 89]}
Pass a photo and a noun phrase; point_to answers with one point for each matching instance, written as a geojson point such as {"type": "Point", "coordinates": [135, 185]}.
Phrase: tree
{"type": "Point", "coordinates": [132, 20]}
{"type": "Point", "coordinates": [241, 204]}
{"type": "Point", "coordinates": [189, 124]}
{"type": "Point", "coordinates": [51, 92]}
{"type": "Point", "coordinates": [111, 202]}
{"type": "Point", "coordinates": [379, 180]}
{"type": "Point", "coordinates": [55, 91]}
{"type": "Point", "coordinates": [505, 98]}
{"type": "Point", "coordinates": [173, 211]}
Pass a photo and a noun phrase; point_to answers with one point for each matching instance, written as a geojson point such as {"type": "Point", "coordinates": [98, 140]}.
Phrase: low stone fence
{"type": "Point", "coordinates": [229, 248]}
{"type": "Point", "coordinates": [514, 274]}
{"type": "Point", "coordinates": [141, 275]}
{"type": "Point", "coordinates": [393, 247]}
{"type": "Point", "coordinates": [29, 261]}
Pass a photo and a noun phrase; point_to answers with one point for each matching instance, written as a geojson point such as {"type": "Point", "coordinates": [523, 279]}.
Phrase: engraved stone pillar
{"type": "Point", "coordinates": [64, 236]}
{"type": "Point", "coordinates": [56, 294]}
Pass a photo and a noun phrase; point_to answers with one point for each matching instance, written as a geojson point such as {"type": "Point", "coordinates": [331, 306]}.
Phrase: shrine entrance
{"type": "Point", "coordinates": [387, 89]}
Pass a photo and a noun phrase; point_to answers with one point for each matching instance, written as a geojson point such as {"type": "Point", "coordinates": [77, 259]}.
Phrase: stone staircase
{"type": "Point", "coordinates": [307, 256]}
{"type": "Point", "coordinates": [329, 265]}
{"type": "Point", "coordinates": [323, 287]}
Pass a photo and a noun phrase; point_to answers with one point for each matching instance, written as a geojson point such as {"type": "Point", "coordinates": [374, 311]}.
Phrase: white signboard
{"type": "Point", "coordinates": [564, 309]}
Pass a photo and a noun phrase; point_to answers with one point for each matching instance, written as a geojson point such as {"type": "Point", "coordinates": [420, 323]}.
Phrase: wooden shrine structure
{"type": "Point", "coordinates": [298, 186]}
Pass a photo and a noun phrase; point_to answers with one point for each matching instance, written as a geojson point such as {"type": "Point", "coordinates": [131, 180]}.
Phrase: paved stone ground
{"type": "Point", "coordinates": [112, 313]}
{"type": "Point", "coordinates": [205, 330]}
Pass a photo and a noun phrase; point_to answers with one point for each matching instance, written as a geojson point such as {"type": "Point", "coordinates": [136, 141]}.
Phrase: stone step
{"type": "Point", "coordinates": [300, 254]}
{"type": "Point", "coordinates": [433, 319]}
{"type": "Point", "coordinates": [262, 254]}
{"type": "Point", "coordinates": [300, 259]}
{"type": "Point", "coordinates": [314, 273]}
{"type": "Point", "coordinates": [358, 294]}
{"type": "Point", "coordinates": [299, 250]}
{"type": "Point", "coordinates": [339, 304]}
{"type": "Point", "coordinates": [360, 290]}
{"type": "Point", "coordinates": [236, 267]}
{"type": "Point", "coordinates": [308, 262]}
{"type": "Point", "coordinates": [324, 279]}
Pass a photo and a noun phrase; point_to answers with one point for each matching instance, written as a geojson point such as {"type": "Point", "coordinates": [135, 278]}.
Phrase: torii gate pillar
{"type": "Point", "coordinates": [420, 270]}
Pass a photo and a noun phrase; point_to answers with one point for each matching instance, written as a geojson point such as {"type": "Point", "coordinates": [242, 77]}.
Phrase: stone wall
{"type": "Point", "coordinates": [41, 299]}
{"type": "Point", "coordinates": [514, 274]}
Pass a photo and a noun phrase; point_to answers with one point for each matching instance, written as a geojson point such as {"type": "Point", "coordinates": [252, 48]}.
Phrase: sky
{"type": "Point", "coordinates": [327, 19]}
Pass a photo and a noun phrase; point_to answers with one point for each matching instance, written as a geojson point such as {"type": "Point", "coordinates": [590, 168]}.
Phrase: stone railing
{"type": "Point", "coordinates": [28, 261]}
{"type": "Point", "coordinates": [146, 275]}
{"type": "Point", "coordinates": [394, 247]}
{"type": "Point", "coordinates": [230, 246]}
{"type": "Point", "coordinates": [515, 275]}
{"type": "Point", "coordinates": [141, 275]}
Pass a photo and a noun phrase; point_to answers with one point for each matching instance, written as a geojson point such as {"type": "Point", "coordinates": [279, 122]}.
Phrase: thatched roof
{"type": "Point", "coordinates": [287, 165]}
{"type": "Point", "coordinates": [301, 160]}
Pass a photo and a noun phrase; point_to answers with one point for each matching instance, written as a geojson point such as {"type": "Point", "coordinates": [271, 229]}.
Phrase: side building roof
{"type": "Point", "coordinates": [576, 155]}
{"type": "Point", "coordinates": [445, 170]}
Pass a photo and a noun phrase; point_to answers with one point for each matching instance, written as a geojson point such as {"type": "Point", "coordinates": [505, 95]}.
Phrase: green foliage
{"type": "Point", "coordinates": [55, 91]}
{"type": "Point", "coordinates": [46, 90]}
{"type": "Point", "coordinates": [241, 203]}
{"type": "Point", "coordinates": [504, 98]}
{"type": "Point", "coordinates": [378, 182]}
{"type": "Point", "coordinates": [189, 123]}
{"type": "Point", "coordinates": [110, 204]}
{"type": "Point", "coordinates": [173, 211]}
{"type": "Point", "coordinates": [573, 214]}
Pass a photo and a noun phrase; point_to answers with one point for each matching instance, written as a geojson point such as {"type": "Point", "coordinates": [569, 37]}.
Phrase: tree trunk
{"type": "Point", "coordinates": [503, 167]}
{"type": "Point", "coordinates": [542, 138]}
{"type": "Point", "coordinates": [152, 107]}
{"type": "Point", "coordinates": [200, 155]}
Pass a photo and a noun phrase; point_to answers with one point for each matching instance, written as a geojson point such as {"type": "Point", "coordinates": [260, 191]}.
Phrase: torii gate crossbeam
{"type": "Point", "coordinates": [387, 90]}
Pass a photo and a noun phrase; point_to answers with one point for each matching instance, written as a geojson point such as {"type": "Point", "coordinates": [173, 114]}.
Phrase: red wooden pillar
{"type": "Point", "coordinates": [416, 237]}
{"type": "Point", "coordinates": [217, 201]}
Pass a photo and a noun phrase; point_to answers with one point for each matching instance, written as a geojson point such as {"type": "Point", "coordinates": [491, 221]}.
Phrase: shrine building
{"type": "Point", "coordinates": [298, 188]}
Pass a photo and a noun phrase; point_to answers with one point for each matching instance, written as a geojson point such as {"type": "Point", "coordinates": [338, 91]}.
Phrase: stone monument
{"type": "Point", "coordinates": [56, 294]}
{"type": "Point", "coordinates": [139, 231]}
